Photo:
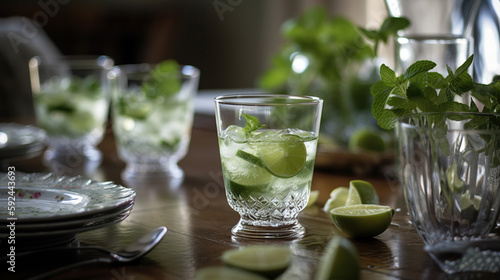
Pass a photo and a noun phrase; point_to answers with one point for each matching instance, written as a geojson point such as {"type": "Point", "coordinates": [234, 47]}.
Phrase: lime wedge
{"type": "Point", "coordinates": [284, 159]}
{"type": "Point", "coordinates": [313, 197]}
{"type": "Point", "coordinates": [366, 140]}
{"type": "Point", "coordinates": [269, 260]}
{"type": "Point", "coordinates": [362, 220]}
{"type": "Point", "coordinates": [338, 197]}
{"type": "Point", "coordinates": [339, 261]}
{"type": "Point", "coordinates": [250, 158]}
{"type": "Point", "coordinates": [361, 192]}
{"type": "Point", "coordinates": [225, 273]}
{"type": "Point", "coordinates": [247, 171]}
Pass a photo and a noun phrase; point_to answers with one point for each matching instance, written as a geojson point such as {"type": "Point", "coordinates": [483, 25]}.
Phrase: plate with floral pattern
{"type": "Point", "coordinates": [42, 197]}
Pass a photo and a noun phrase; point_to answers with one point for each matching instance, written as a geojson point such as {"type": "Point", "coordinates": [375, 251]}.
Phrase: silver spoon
{"type": "Point", "coordinates": [135, 250]}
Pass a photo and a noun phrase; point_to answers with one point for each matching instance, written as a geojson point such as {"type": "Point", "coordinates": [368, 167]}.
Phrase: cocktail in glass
{"type": "Point", "coordinates": [267, 146]}
{"type": "Point", "coordinates": [153, 112]}
{"type": "Point", "coordinates": [71, 98]}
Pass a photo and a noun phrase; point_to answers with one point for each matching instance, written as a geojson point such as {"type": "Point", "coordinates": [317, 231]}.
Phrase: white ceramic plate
{"type": "Point", "coordinates": [71, 230]}
{"type": "Point", "coordinates": [70, 224]}
{"type": "Point", "coordinates": [38, 197]}
{"type": "Point", "coordinates": [18, 140]}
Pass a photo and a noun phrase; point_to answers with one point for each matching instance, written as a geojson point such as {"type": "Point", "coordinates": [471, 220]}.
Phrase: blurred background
{"type": "Point", "coordinates": [231, 41]}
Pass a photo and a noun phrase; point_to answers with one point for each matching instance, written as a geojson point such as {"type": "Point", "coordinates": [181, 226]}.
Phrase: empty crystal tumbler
{"type": "Point", "coordinates": [450, 171]}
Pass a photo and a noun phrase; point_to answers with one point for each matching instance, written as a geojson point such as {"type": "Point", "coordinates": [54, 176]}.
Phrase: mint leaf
{"type": "Point", "coordinates": [392, 25]}
{"type": "Point", "coordinates": [419, 90]}
{"type": "Point", "coordinates": [463, 68]}
{"type": "Point", "coordinates": [389, 27]}
{"type": "Point", "coordinates": [418, 68]}
{"type": "Point", "coordinates": [388, 76]}
{"type": "Point", "coordinates": [252, 123]}
{"type": "Point", "coordinates": [164, 80]}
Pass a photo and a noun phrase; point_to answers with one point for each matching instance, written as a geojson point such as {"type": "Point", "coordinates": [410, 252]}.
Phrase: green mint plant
{"type": "Point", "coordinates": [421, 90]}
{"type": "Point", "coordinates": [323, 56]}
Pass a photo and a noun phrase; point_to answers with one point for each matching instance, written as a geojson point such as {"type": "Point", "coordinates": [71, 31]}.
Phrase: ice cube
{"type": "Point", "coordinates": [236, 134]}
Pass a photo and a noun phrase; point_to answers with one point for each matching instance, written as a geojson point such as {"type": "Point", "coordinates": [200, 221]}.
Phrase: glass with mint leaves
{"type": "Point", "coordinates": [71, 99]}
{"type": "Point", "coordinates": [267, 147]}
{"type": "Point", "coordinates": [153, 111]}
{"type": "Point", "coordinates": [449, 160]}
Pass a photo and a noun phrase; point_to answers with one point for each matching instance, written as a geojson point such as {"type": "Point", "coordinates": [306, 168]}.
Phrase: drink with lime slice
{"type": "Point", "coordinates": [267, 146]}
{"type": "Point", "coordinates": [71, 98]}
{"type": "Point", "coordinates": [153, 113]}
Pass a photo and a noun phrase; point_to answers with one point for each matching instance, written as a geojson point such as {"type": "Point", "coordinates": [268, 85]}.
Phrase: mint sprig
{"type": "Point", "coordinates": [164, 80]}
{"type": "Point", "coordinates": [389, 27]}
{"type": "Point", "coordinates": [420, 90]}
{"type": "Point", "coordinates": [252, 123]}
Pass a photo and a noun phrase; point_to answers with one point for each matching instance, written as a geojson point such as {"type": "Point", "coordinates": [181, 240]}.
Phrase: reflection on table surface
{"type": "Point", "coordinates": [199, 222]}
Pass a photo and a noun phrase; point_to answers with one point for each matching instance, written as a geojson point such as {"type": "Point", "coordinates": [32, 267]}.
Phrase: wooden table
{"type": "Point", "coordinates": [199, 222]}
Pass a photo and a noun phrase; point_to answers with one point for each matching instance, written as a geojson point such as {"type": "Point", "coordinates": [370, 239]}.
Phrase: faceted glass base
{"type": "Point", "coordinates": [151, 172]}
{"type": "Point", "coordinates": [246, 230]}
{"type": "Point", "coordinates": [73, 154]}
{"type": "Point", "coordinates": [466, 256]}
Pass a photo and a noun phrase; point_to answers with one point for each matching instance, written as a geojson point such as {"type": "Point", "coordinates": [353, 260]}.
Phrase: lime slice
{"type": "Point", "coordinates": [248, 170]}
{"type": "Point", "coordinates": [225, 273]}
{"type": "Point", "coordinates": [246, 191]}
{"type": "Point", "coordinates": [269, 260]}
{"type": "Point", "coordinates": [313, 197]}
{"type": "Point", "coordinates": [284, 159]}
{"type": "Point", "coordinates": [338, 197]}
{"type": "Point", "coordinates": [250, 158]}
{"type": "Point", "coordinates": [363, 220]}
{"type": "Point", "coordinates": [361, 192]}
{"type": "Point", "coordinates": [339, 261]}
{"type": "Point", "coordinates": [81, 121]}
{"type": "Point", "coordinates": [366, 140]}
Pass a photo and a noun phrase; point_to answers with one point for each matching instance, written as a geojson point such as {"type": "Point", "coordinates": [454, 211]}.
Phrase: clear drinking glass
{"type": "Point", "coordinates": [444, 50]}
{"type": "Point", "coordinates": [153, 117]}
{"type": "Point", "coordinates": [450, 170]}
{"type": "Point", "coordinates": [71, 98]}
{"type": "Point", "coordinates": [267, 146]}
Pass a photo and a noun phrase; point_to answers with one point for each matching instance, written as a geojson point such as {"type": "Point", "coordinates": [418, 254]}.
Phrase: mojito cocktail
{"type": "Point", "coordinates": [267, 157]}
{"type": "Point", "coordinates": [71, 99]}
{"type": "Point", "coordinates": [153, 115]}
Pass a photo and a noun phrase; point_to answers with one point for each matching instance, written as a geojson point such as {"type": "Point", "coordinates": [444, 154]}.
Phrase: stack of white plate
{"type": "Point", "coordinates": [17, 140]}
{"type": "Point", "coordinates": [50, 209]}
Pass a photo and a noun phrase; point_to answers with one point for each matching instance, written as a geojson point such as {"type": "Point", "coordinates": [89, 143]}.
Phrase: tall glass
{"type": "Point", "coordinates": [152, 119]}
{"type": "Point", "coordinates": [71, 98]}
{"type": "Point", "coordinates": [267, 147]}
{"type": "Point", "coordinates": [478, 19]}
{"type": "Point", "coordinates": [431, 17]}
{"type": "Point", "coordinates": [450, 170]}
{"type": "Point", "coordinates": [444, 50]}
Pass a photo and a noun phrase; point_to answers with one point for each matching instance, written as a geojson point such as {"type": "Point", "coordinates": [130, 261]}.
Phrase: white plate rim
{"type": "Point", "coordinates": [103, 196]}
